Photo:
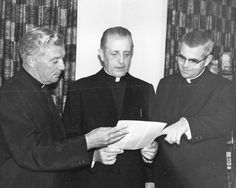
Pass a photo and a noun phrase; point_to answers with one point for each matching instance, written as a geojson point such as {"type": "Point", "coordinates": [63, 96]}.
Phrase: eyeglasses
{"type": "Point", "coordinates": [182, 59]}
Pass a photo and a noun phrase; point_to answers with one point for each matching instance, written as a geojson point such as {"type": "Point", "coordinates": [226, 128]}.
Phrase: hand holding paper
{"type": "Point", "coordinates": [149, 152]}
{"type": "Point", "coordinates": [104, 136]}
{"type": "Point", "coordinates": [141, 134]}
{"type": "Point", "coordinates": [106, 155]}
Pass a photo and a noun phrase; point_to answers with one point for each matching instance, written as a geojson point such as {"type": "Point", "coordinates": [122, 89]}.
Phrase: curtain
{"type": "Point", "coordinates": [218, 17]}
{"type": "Point", "coordinates": [19, 16]}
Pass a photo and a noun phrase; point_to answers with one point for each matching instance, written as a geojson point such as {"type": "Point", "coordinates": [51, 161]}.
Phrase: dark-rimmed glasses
{"type": "Point", "coordinates": [182, 59]}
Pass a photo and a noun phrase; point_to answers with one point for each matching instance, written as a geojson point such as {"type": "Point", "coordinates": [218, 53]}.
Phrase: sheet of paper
{"type": "Point", "coordinates": [141, 134]}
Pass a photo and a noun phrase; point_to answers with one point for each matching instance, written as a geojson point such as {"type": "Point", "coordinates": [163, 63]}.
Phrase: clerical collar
{"type": "Point", "coordinates": [189, 80]}
{"type": "Point", "coordinates": [116, 79]}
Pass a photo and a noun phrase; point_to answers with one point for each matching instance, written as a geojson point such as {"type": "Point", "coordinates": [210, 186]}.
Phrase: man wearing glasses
{"type": "Point", "coordinates": [199, 108]}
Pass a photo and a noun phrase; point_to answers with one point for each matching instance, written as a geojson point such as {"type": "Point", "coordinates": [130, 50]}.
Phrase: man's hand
{"type": "Point", "coordinates": [104, 136]}
{"type": "Point", "coordinates": [149, 152]}
{"type": "Point", "coordinates": [107, 155]}
{"type": "Point", "coordinates": [175, 131]}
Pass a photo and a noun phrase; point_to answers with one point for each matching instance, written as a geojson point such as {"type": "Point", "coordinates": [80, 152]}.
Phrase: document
{"type": "Point", "coordinates": [141, 134]}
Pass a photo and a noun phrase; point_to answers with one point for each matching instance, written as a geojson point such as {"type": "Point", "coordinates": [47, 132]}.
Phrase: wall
{"type": "Point", "coordinates": [145, 19]}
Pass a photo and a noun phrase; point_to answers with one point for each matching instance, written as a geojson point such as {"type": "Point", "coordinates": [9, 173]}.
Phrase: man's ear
{"type": "Point", "coordinates": [208, 60]}
{"type": "Point", "coordinates": [31, 61]}
{"type": "Point", "coordinates": [132, 52]}
{"type": "Point", "coordinates": [101, 54]}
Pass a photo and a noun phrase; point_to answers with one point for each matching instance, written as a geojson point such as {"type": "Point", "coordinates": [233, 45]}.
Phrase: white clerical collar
{"type": "Point", "coordinates": [117, 79]}
{"type": "Point", "coordinates": [189, 80]}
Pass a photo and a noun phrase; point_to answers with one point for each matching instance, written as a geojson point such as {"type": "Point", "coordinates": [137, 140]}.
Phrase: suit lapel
{"type": "Point", "coordinates": [43, 98]}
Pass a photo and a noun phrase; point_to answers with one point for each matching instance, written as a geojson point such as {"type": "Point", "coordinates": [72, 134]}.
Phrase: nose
{"type": "Point", "coordinates": [121, 59]}
{"type": "Point", "coordinates": [61, 64]}
{"type": "Point", "coordinates": [185, 63]}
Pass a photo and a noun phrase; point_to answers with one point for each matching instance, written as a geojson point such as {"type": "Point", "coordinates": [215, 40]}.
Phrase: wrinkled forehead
{"type": "Point", "coordinates": [117, 40]}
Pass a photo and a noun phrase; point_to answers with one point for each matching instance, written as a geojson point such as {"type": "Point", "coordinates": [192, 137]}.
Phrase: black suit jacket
{"type": "Point", "coordinates": [208, 103]}
{"type": "Point", "coordinates": [32, 145]}
{"type": "Point", "coordinates": [90, 104]}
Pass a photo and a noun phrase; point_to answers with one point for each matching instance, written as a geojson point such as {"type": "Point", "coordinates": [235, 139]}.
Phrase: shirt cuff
{"type": "Point", "coordinates": [93, 160]}
{"type": "Point", "coordinates": [188, 132]}
{"type": "Point", "coordinates": [146, 160]}
{"type": "Point", "coordinates": [92, 164]}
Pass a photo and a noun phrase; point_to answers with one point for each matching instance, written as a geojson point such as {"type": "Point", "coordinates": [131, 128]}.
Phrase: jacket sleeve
{"type": "Point", "coordinates": [149, 167]}
{"type": "Point", "coordinates": [72, 116]}
{"type": "Point", "coordinates": [217, 122]}
{"type": "Point", "coordinates": [28, 146]}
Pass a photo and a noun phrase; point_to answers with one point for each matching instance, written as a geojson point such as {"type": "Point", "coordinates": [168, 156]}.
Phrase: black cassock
{"type": "Point", "coordinates": [208, 103]}
{"type": "Point", "coordinates": [98, 101]}
{"type": "Point", "coordinates": [33, 152]}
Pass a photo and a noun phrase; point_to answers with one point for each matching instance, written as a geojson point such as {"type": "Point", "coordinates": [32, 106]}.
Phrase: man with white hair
{"type": "Point", "coordinates": [33, 148]}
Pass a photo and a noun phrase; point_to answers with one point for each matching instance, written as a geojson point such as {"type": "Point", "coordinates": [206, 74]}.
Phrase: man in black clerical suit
{"type": "Point", "coordinates": [199, 108]}
{"type": "Point", "coordinates": [33, 148]}
{"type": "Point", "coordinates": [103, 99]}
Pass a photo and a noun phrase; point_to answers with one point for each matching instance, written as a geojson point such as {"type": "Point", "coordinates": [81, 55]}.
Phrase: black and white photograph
{"type": "Point", "coordinates": [117, 94]}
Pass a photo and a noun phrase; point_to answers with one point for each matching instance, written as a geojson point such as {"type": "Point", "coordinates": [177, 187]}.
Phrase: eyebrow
{"type": "Point", "coordinates": [187, 58]}
{"type": "Point", "coordinates": [111, 51]}
{"type": "Point", "coordinates": [58, 57]}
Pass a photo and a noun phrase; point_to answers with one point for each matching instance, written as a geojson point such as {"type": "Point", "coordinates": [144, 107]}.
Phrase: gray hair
{"type": "Point", "coordinates": [197, 38]}
{"type": "Point", "coordinates": [36, 38]}
{"type": "Point", "coordinates": [115, 31]}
